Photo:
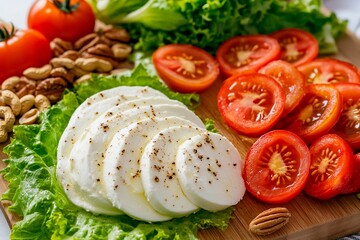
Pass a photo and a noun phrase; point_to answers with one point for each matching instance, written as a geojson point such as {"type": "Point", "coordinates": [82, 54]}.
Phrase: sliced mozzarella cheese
{"type": "Point", "coordinates": [209, 171]}
{"type": "Point", "coordinates": [158, 171]}
{"type": "Point", "coordinates": [88, 153]}
{"type": "Point", "coordinates": [121, 169]}
{"type": "Point", "coordinates": [84, 115]}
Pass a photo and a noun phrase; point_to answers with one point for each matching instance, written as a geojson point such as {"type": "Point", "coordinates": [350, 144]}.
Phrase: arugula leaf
{"type": "Point", "coordinates": [208, 23]}
{"type": "Point", "coordinates": [38, 197]}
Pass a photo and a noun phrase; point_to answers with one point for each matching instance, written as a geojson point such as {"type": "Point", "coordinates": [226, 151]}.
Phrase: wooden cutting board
{"type": "Point", "coordinates": [311, 219]}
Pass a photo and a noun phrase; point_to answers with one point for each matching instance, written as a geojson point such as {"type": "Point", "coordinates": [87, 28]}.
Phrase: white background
{"type": "Point", "coordinates": [16, 11]}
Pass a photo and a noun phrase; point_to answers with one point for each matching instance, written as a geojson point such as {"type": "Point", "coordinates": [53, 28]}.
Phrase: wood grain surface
{"type": "Point", "coordinates": [310, 218]}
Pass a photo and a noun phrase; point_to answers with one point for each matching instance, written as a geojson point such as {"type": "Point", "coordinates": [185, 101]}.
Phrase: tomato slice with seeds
{"type": "Point", "coordinates": [317, 112]}
{"type": "Point", "coordinates": [251, 103]}
{"type": "Point", "coordinates": [348, 126]}
{"type": "Point", "coordinates": [277, 167]}
{"type": "Point", "coordinates": [328, 70]}
{"type": "Point", "coordinates": [246, 54]}
{"type": "Point", "coordinates": [291, 80]}
{"type": "Point", "coordinates": [297, 46]}
{"type": "Point", "coordinates": [331, 167]}
{"type": "Point", "coordinates": [185, 68]}
{"type": "Point", "coordinates": [354, 184]}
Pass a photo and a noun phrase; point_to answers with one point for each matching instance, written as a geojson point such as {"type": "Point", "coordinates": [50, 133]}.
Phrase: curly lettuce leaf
{"type": "Point", "coordinates": [39, 199]}
{"type": "Point", "coordinates": [211, 22]}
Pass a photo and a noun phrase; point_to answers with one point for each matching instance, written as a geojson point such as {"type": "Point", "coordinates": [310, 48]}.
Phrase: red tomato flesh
{"type": "Point", "coordinates": [277, 167]}
{"type": "Point", "coordinates": [348, 126]}
{"type": "Point", "coordinates": [185, 68]}
{"type": "Point", "coordinates": [251, 103]}
{"type": "Point", "coordinates": [317, 113]}
{"type": "Point", "coordinates": [354, 184]}
{"type": "Point", "coordinates": [329, 70]}
{"type": "Point", "coordinates": [297, 46]}
{"type": "Point", "coordinates": [291, 80]}
{"type": "Point", "coordinates": [331, 167]}
{"type": "Point", "coordinates": [246, 54]}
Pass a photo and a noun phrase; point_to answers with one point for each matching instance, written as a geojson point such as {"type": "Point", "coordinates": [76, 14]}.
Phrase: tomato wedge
{"type": "Point", "coordinates": [185, 68]}
{"type": "Point", "coordinates": [251, 103]}
{"type": "Point", "coordinates": [277, 167]}
{"type": "Point", "coordinates": [297, 46]}
{"type": "Point", "coordinates": [291, 80]}
{"type": "Point", "coordinates": [354, 184]}
{"type": "Point", "coordinates": [348, 126]}
{"type": "Point", "coordinates": [331, 167]}
{"type": "Point", "coordinates": [246, 54]}
{"type": "Point", "coordinates": [329, 70]}
{"type": "Point", "coordinates": [317, 112]}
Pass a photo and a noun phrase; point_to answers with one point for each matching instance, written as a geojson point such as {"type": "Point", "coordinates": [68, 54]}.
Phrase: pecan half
{"type": "Point", "coordinates": [270, 221]}
{"type": "Point", "coordinates": [87, 42]}
{"type": "Point", "coordinates": [60, 46]}
{"type": "Point", "coordinates": [117, 34]}
{"type": "Point", "coordinates": [52, 88]}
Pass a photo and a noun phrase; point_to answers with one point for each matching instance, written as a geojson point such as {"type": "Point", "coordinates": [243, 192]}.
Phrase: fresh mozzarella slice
{"type": "Point", "coordinates": [85, 114]}
{"type": "Point", "coordinates": [209, 171]}
{"type": "Point", "coordinates": [158, 172]}
{"type": "Point", "coordinates": [88, 153]}
{"type": "Point", "coordinates": [121, 170]}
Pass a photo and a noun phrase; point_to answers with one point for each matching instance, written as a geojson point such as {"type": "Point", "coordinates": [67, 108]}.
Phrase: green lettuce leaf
{"type": "Point", "coordinates": [208, 23]}
{"type": "Point", "coordinates": [39, 199]}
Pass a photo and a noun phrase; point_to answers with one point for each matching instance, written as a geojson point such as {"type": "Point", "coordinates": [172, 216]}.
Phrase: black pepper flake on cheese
{"type": "Point", "coordinates": [195, 151]}
{"type": "Point", "coordinates": [156, 179]}
{"type": "Point", "coordinates": [234, 164]}
{"type": "Point", "coordinates": [199, 145]}
{"type": "Point", "coordinates": [118, 167]}
{"type": "Point", "coordinates": [109, 114]}
{"type": "Point", "coordinates": [101, 94]}
{"type": "Point", "coordinates": [98, 180]}
{"type": "Point", "coordinates": [96, 113]}
{"type": "Point", "coordinates": [90, 140]}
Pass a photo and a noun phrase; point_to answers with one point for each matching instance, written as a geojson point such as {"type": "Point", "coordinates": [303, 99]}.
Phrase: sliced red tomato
{"type": "Point", "coordinates": [354, 184]}
{"type": "Point", "coordinates": [297, 46]}
{"type": "Point", "coordinates": [329, 70]}
{"type": "Point", "coordinates": [331, 167]}
{"type": "Point", "coordinates": [251, 103]}
{"type": "Point", "coordinates": [277, 167]}
{"type": "Point", "coordinates": [348, 126]}
{"type": "Point", "coordinates": [185, 68]}
{"type": "Point", "coordinates": [246, 54]}
{"type": "Point", "coordinates": [291, 80]}
{"type": "Point", "coordinates": [317, 112]}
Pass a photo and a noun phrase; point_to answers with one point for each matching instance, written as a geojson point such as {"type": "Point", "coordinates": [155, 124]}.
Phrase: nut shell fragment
{"type": "Point", "coordinates": [269, 221]}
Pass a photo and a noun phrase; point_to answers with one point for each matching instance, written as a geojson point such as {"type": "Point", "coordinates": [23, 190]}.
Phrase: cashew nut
{"type": "Point", "coordinates": [7, 118]}
{"type": "Point", "coordinates": [10, 99]}
{"type": "Point", "coordinates": [92, 64]}
{"type": "Point", "coordinates": [27, 102]}
{"type": "Point", "coordinates": [10, 83]}
{"type": "Point", "coordinates": [121, 50]}
{"type": "Point", "coordinates": [42, 103]}
{"type": "Point", "coordinates": [29, 117]}
{"type": "Point", "coordinates": [38, 73]}
{"type": "Point", "coordinates": [63, 73]}
{"type": "Point", "coordinates": [82, 79]}
{"type": "Point", "coordinates": [78, 72]}
{"type": "Point", "coordinates": [62, 62]}
{"type": "Point", "coordinates": [3, 133]}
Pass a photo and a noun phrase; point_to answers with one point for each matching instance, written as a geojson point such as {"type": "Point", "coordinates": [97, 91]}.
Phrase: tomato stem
{"type": "Point", "coordinates": [5, 34]}
{"type": "Point", "coordinates": [66, 6]}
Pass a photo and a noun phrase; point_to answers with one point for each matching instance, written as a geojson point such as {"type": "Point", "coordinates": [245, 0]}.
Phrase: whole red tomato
{"type": "Point", "coordinates": [65, 19]}
{"type": "Point", "coordinates": [21, 49]}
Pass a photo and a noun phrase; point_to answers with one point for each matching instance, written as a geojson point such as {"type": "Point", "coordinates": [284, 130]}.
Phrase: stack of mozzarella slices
{"type": "Point", "coordinates": [132, 150]}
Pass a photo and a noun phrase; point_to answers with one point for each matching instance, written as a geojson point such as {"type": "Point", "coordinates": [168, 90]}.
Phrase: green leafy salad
{"type": "Point", "coordinates": [39, 199]}
{"type": "Point", "coordinates": [208, 23]}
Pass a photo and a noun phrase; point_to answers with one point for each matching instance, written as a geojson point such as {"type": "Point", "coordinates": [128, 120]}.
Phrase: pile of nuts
{"type": "Point", "coordinates": [23, 97]}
